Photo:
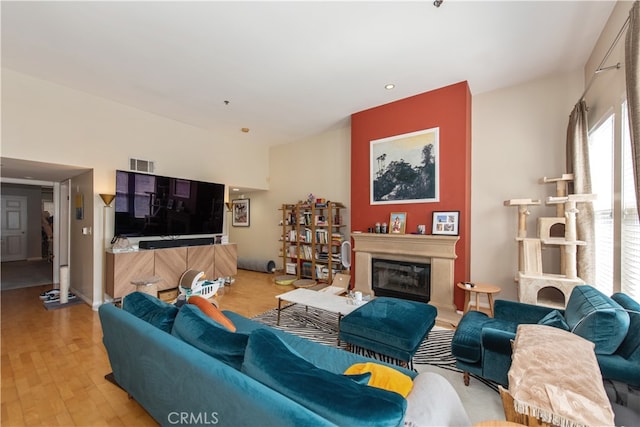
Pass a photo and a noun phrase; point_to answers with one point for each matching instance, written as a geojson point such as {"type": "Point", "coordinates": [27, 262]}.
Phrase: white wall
{"type": "Point", "coordinates": [49, 123]}
{"type": "Point", "coordinates": [45, 122]}
{"type": "Point", "coordinates": [84, 276]}
{"type": "Point", "coordinates": [320, 165]}
{"type": "Point", "coordinates": [518, 137]}
{"type": "Point", "coordinates": [608, 88]}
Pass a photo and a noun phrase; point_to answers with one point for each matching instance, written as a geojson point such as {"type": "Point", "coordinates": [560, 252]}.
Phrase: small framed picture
{"type": "Point", "coordinates": [79, 205]}
{"type": "Point", "coordinates": [397, 222]}
{"type": "Point", "coordinates": [446, 223]}
{"type": "Point", "coordinates": [240, 213]}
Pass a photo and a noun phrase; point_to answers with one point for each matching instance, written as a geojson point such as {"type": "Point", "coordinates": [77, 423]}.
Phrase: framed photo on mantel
{"type": "Point", "coordinates": [397, 222]}
{"type": "Point", "coordinates": [446, 223]}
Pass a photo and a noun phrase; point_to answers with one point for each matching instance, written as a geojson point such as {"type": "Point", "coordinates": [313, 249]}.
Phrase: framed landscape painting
{"type": "Point", "coordinates": [405, 168]}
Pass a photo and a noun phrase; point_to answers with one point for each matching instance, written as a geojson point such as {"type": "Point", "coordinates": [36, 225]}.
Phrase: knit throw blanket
{"type": "Point", "coordinates": [555, 377]}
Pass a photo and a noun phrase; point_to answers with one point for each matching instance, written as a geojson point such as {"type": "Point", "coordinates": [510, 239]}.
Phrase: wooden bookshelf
{"type": "Point", "coordinates": [311, 240]}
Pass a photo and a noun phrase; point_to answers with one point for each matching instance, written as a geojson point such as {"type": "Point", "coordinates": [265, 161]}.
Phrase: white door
{"type": "Point", "coordinates": [13, 215]}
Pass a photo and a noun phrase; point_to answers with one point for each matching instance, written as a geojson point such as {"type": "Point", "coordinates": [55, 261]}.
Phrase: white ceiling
{"type": "Point", "coordinates": [291, 70]}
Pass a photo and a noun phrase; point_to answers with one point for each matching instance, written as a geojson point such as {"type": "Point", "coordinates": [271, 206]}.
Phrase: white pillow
{"type": "Point", "coordinates": [434, 402]}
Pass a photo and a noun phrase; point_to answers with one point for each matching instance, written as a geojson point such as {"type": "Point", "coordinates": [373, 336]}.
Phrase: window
{"type": "Point", "coordinates": [617, 229]}
{"type": "Point", "coordinates": [630, 230]}
{"type": "Point", "coordinates": [601, 158]}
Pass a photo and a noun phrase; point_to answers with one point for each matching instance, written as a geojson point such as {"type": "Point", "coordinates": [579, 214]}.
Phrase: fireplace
{"type": "Point", "coordinates": [438, 252]}
{"type": "Point", "coordinates": [401, 279]}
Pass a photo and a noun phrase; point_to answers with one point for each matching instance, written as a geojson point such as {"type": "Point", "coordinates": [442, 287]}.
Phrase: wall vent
{"type": "Point", "coordinates": [139, 165]}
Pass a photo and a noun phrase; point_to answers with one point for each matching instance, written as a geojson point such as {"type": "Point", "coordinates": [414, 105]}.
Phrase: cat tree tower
{"type": "Point", "coordinates": [557, 231]}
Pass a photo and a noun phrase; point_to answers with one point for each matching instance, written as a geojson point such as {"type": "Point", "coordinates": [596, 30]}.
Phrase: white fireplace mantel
{"type": "Point", "coordinates": [439, 251]}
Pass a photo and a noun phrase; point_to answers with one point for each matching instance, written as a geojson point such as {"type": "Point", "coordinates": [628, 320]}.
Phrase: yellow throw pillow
{"type": "Point", "coordinates": [383, 377]}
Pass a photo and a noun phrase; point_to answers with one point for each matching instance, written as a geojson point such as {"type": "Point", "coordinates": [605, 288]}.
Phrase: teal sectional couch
{"type": "Point", "coordinates": [183, 368]}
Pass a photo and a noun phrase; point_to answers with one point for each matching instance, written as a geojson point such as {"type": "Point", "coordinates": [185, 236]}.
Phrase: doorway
{"type": "Point", "coordinates": [14, 228]}
{"type": "Point", "coordinates": [27, 218]}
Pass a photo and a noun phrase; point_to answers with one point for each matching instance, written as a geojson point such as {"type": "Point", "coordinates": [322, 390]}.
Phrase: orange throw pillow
{"type": "Point", "coordinates": [212, 311]}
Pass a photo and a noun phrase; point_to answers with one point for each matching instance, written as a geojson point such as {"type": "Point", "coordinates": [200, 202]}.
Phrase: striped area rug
{"type": "Point", "coordinates": [322, 327]}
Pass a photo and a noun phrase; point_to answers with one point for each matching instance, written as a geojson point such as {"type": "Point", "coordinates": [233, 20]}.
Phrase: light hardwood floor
{"type": "Point", "coordinates": [53, 362]}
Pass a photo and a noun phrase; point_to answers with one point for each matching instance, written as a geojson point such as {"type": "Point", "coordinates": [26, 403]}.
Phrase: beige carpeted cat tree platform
{"type": "Point", "coordinates": [557, 231]}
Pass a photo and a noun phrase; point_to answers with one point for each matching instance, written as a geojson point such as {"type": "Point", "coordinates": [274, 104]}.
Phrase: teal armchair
{"type": "Point", "coordinates": [482, 345]}
{"type": "Point", "coordinates": [624, 364]}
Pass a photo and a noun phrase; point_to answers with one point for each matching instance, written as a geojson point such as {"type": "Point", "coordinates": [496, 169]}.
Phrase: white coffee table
{"type": "Point", "coordinates": [317, 299]}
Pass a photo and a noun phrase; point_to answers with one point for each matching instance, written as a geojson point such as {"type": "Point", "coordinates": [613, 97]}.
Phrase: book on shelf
{"type": "Point", "coordinates": [306, 269]}
{"type": "Point", "coordinates": [292, 252]}
{"type": "Point", "coordinates": [307, 235]}
{"type": "Point", "coordinates": [321, 220]}
{"type": "Point", "coordinates": [323, 257]}
{"type": "Point", "coordinates": [307, 218]}
{"type": "Point", "coordinates": [322, 236]}
{"type": "Point", "coordinates": [306, 252]}
{"type": "Point", "coordinates": [337, 238]}
{"type": "Point", "coordinates": [321, 273]}
{"type": "Point", "coordinates": [291, 268]}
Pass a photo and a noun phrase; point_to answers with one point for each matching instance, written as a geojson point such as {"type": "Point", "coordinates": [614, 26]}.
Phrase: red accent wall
{"type": "Point", "coordinates": [448, 108]}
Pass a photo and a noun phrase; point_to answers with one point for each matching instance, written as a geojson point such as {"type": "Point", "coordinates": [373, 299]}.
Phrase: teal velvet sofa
{"type": "Point", "coordinates": [184, 369]}
{"type": "Point", "coordinates": [482, 345]}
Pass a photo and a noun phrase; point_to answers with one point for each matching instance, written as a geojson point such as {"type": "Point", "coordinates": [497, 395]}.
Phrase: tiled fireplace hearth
{"type": "Point", "coordinates": [437, 251]}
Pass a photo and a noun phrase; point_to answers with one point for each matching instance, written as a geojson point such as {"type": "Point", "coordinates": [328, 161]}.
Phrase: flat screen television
{"type": "Point", "coordinates": [153, 205]}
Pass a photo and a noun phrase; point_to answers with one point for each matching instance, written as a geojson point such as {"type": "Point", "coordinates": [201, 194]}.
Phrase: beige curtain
{"type": "Point", "coordinates": [632, 59]}
{"type": "Point", "coordinates": [578, 165]}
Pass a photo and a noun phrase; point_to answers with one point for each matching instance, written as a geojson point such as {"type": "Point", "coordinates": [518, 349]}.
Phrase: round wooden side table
{"type": "Point", "coordinates": [478, 288]}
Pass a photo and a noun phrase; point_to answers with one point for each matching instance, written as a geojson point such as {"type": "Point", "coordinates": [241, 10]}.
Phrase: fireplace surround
{"type": "Point", "coordinates": [437, 251]}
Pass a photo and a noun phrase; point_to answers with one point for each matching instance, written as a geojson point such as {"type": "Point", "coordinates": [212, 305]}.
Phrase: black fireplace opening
{"type": "Point", "coordinates": [401, 279]}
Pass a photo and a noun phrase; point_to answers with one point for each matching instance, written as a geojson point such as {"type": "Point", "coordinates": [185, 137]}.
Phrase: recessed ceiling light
{"type": "Point", "coordinates": [389, 86]}
{"type": "Point", "coordinates": [235, 189]}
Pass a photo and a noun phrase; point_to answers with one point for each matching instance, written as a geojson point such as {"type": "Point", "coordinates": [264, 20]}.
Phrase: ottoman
{"type": "Point", "coordinates": [389, 326]}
